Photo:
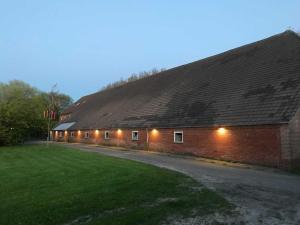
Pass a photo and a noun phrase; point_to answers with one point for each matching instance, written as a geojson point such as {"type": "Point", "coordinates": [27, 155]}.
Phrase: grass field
{"type": "Point", "coordinates": [57, 185]}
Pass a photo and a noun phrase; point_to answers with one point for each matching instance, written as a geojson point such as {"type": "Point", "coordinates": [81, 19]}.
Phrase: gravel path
{"type": "Point", "coordinates": [262, 195]}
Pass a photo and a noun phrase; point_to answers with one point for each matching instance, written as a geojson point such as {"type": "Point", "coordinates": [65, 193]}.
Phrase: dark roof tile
{"type": "Point", "coordinates": [254, 84]}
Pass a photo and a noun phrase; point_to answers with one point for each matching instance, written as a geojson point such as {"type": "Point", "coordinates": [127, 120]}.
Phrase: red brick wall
{"type": "Point", "coordinates": [56, 135]}
{"type": "Point", "coordinates": [116, 138]}
{"type": "Point", "coordinates": [249, 144]}
{"type": "Point", "coordinates": [257, 145]}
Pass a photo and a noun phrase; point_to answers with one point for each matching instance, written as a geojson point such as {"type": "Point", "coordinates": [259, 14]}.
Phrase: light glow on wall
{"type": "Point", "coordinates": [154, 131]}
{"type": "Point", "coordinates": [222, 131]}
{"type": "Point", "coordinates": [119, 131]}
{"type": "Point", "coordinates": [97, 132]}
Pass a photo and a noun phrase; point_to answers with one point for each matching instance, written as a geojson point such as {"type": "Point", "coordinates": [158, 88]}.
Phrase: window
{"type": "Point", "coordinates": [72, 134]}
{"type": "Point", "coordinates": [135, 135]}
{"type": "Point", "coordinates": [106, 134]}
{"type": "Point", "coordinates": [86, 134]}
{"type": "Point", "coordinates": [60, 134]}
{"type": "Point", "coordinates": [178, 136]}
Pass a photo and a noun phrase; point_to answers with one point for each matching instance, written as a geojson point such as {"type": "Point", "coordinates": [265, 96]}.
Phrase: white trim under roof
{"type": "Point", "coordinates": [64, 126]}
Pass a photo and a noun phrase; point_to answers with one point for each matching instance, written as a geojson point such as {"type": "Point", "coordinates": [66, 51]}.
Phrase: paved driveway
{"type": "Point", "coordinates": [262, 195]}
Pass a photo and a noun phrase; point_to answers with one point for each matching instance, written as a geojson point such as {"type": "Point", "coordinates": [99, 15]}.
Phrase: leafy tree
{"type": "Point", "coordinates": [21, 112]}
{"type": "Point", "coordinates": [133, 77]}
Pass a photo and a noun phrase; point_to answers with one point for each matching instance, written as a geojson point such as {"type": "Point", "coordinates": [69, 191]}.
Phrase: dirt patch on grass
{"type": "Point", "coordinates": [259, 206]}
{"type": "Point", "coordinates": [225, 218]}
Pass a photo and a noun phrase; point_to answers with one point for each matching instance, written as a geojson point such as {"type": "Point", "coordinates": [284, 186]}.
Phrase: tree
{"type": "Point", "coordinates": [21, 112]}
{"type": "Point", "coordinates": [56, 102]}
{"type": "Point", "coordinates": [132, 77]}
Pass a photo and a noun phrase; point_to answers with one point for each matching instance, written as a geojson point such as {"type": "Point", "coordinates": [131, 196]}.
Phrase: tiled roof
{"type": "Point", "coordinates": [64, 126]}
{"type": "Point", "coordinates": [254, 84]}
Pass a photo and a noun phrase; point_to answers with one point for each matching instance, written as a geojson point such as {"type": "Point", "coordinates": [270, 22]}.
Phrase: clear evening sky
{"type": "Point", "coordinates": [83, 45]}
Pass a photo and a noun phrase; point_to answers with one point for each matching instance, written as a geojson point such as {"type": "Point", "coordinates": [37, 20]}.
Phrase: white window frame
{"type": "Point", "coordinates": [106, 135]}
{"type": "Point", "coordinates": [178, 132]}
{"type": "Point", "coordinates": [60, 134]}
{"type": "Point", "coordinates": [132, 137]}
{"type": "Point", "coordinates": [72, 134]}
{"type": "Point", "coordinates": [86, 134]}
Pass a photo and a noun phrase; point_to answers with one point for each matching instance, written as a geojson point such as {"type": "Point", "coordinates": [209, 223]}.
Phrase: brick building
{"type": "Point", "coordinates": [241, 105]}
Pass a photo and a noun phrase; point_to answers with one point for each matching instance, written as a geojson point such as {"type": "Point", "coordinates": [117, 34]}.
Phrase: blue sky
{"type": "Point", "coordinates": [83, 45]}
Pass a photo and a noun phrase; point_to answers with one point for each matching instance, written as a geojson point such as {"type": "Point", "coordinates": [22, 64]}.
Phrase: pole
{"type": "Point", "coordinates": [147, 139]}
{"type": "Point", "coordinates": [48, 134]}
{"type": "Point", "coordinates": [49, 116]}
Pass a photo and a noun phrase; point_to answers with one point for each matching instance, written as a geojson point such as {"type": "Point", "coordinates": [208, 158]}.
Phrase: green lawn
{"type": "Point", "coordinates": [57, 185]}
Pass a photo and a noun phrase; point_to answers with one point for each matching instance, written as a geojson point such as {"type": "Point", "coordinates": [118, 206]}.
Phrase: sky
{"type": "Point", "coordinates": [83, 45]}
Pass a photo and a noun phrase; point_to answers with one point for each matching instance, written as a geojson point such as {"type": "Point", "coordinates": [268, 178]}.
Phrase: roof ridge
{"type": "Point", "coordinates": [215, 55]}
{"type": "Point", "coordinates": [275, 36]}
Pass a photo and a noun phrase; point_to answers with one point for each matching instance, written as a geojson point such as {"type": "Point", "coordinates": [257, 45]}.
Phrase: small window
{"type": "Point", "coordinates": [178, 136]}
{"type": "Point", "coordinates": [60, 134]}
{"type": "Point", "coordinates": [72, 134]}
{"type": "Point", "coordinates": [106, 134]}
{"type": "Point", "coordinates": [86, 134]}
{"type": "Point", "coordinates": [135, 135]}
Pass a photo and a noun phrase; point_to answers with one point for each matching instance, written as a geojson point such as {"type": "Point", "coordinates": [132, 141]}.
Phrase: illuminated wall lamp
{"type": "Point", "coordinates": [154, 131]}
{"type": "Point", "coordinates": [222, 131]}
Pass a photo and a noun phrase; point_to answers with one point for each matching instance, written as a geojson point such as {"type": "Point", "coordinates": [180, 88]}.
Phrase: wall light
{"type": "Point", "coordinates": [222, 131]}
{"type": "Point", "coordinates": [97, 132]}
{"type": "Point", "coordinates": [154, 131]}
{"type": "Point", "coordinates": [119, 131]}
